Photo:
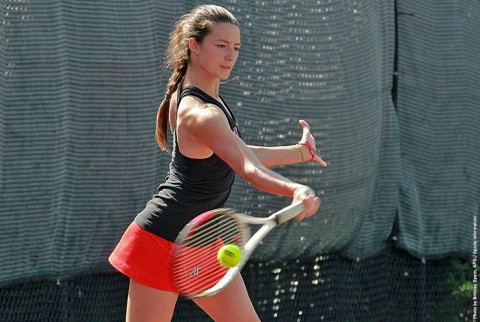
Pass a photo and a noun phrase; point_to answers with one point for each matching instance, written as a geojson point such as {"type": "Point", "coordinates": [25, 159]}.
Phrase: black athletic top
{"type": "Point", "coordinates": [192, 186]}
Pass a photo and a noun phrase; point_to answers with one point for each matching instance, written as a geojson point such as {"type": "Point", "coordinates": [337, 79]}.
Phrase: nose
{"type": "Point", "coordinates": [231, 54]}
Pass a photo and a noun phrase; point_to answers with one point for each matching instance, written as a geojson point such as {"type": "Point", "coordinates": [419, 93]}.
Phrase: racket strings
{"type": "Point", "coordinates": [201, 242]}
{"type": "Point", "coordinates": [226, 232]}
{"type": "Point", "coordinates": [195, 264]}
{"type": "Point", "coordinates": [192, 283]}
{"type": "Point", "coordinates": [225, 216]}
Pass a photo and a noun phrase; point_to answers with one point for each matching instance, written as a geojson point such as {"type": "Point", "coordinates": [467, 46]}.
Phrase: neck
{"type": "Point", "coordinates": [207, 84]}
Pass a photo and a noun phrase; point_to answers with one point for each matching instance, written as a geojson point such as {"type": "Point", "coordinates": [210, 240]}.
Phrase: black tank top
{"type": "Point", "coordinates": [192, 186]}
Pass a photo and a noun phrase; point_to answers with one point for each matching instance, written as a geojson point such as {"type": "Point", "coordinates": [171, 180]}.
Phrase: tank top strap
{"type": "Point", "coordinates": [195, 91]}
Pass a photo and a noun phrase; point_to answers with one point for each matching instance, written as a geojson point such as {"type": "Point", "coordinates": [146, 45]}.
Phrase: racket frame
{"type": "Point", "coordinates": [268, 224]}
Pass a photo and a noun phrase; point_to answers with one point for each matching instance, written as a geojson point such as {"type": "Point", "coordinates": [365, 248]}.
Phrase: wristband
{"type": "Point", "coordinates": [301, 152]}
{"type": "Point", "coordinates": [310, 148]}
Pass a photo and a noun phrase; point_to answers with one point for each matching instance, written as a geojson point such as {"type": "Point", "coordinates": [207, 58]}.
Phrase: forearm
{"type": "Point", "coordinates": [280, 155]}
{"type": "Point", "coordinates": [269, 181]}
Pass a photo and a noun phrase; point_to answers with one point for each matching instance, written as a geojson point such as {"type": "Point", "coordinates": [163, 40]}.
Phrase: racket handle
{"type": "Point", "coordinates": [288, 213]}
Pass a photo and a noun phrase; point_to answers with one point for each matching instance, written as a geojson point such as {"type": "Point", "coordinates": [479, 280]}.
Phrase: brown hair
{"type": "Point", "coordinates": [195, 24]}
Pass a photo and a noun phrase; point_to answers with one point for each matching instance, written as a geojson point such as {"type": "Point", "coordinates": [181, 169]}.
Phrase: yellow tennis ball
{"type": "Point", "coordinates": [229, 255]}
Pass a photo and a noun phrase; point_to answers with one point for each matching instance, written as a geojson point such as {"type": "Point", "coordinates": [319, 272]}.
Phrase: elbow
{"type": "Point", "coordinates": [252, 174]}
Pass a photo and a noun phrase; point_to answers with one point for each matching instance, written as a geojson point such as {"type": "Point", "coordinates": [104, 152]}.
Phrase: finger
{"type": "Point", "coordinates": [312, 204]}
{"type": "Point", "coordinates": [320, 161]}
{"type": "Point", "coordinates": [315, 205]}
{"type": "Point", "coordinates": [305, 128]}
{"type": "Point", "coordinates": [303, 123]}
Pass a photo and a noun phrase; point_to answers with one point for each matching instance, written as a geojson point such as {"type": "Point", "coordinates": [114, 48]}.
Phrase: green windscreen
{"type": "Point", "coordinates": [389, 88]}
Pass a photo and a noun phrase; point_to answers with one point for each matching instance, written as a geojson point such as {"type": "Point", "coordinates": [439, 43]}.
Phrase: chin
{"type": "Point", "coordinates": [225, 75]}
{"type": "Point", "coordinates": [224, 78]}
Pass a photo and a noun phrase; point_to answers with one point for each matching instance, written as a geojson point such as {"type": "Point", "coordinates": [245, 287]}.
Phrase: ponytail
{"type": "Point", "coordinates": [164, 108]}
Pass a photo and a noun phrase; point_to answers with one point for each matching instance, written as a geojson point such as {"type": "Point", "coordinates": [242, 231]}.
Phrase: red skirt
{"type": "Point", "coordinates": [145, 258]}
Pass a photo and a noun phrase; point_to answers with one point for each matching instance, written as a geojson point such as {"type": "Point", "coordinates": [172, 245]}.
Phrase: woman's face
{"type": "Point", "coordinates": [219, 50]}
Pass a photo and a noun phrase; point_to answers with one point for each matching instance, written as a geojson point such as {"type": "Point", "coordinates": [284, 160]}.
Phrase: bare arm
{"type": "Point", "coordinates": [289, 154]}
{"type": "Point", "coordinates": [279, 155]}
{"type": "Point", "coordinates": [210, 129]}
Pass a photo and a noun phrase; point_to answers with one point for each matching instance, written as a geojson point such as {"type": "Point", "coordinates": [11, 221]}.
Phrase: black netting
{"type": "Point", "coordinates": [392, 286]}
{"type": "Point", "coordinates": [438, 113]}
{"type": "Point", "coordinates": [80, 81]}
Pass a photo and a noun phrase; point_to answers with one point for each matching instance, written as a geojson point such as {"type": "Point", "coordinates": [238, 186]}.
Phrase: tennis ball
{"type": "Point", "coordinates": [229, 255]}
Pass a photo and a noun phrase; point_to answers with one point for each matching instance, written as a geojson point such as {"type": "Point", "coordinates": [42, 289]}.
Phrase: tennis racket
{"type": "Point", "coordinates": [196, 271]}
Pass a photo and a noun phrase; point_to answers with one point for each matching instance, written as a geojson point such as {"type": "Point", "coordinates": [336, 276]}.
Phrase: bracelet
{"type": "Point", "coordinates": [301, 152]}
{"type": "Point", "coordinates": [310, 147]}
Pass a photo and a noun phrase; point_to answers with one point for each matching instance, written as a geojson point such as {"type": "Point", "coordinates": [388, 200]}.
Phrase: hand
{"type": "Point", "coordinates": [307, 136]}
{"type": "Point", "coordinates": [311, 203]}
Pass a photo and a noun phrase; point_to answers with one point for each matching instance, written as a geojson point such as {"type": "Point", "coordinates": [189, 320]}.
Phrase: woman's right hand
{"type": "Point", "coordinates": [311, 203]}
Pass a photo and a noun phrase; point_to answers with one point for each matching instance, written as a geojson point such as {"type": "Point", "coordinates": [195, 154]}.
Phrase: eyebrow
{"type": "Point", "coordinates": [226, 41]}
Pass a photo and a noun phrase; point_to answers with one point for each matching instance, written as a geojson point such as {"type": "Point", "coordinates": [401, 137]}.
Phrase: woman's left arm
{"type": "Point", "coordinates": [290, 154]}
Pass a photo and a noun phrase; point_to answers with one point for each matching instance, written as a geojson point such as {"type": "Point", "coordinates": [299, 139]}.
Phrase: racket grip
{"type": "Point", "coordinates": [288, 213]}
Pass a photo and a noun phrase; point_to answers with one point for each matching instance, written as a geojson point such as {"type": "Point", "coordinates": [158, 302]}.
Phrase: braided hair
{"type": "Point", "coordinates": [195, 24]}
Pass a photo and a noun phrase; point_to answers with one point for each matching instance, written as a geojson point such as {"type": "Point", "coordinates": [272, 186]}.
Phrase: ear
{"type": "Point", "coordinates": [193, 45]}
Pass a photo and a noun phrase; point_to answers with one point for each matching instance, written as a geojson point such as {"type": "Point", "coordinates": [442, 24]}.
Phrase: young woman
{"type": "Point", "coordinates": [207, 152]}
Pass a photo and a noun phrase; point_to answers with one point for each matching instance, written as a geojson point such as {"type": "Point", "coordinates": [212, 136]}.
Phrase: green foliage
{"type": "Point", "coordinates": [461, 283]}
{"type": "Point", "coordinates": [460, 279]}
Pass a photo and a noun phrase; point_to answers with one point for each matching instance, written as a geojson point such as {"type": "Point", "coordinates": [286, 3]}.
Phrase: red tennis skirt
{"type": "Point", "coordinates": [145, 258]}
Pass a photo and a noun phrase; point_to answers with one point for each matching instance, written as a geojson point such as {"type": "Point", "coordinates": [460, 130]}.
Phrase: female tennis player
{"type": "Point", "coordinates": [207, 152]}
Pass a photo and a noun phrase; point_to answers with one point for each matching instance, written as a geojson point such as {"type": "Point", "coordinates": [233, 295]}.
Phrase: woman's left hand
{"type": "Point", "coordinates": [307, 137]}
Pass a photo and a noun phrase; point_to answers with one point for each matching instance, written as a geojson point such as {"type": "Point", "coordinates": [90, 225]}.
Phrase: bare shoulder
{"type": "Point", "coordinates": [198, 125]}
{"type": "Point", "coordinates": [193, 112]}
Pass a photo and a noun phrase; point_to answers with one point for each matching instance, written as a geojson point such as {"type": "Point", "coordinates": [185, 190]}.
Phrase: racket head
{"type": "Point", "coordinates": [195, 266]}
